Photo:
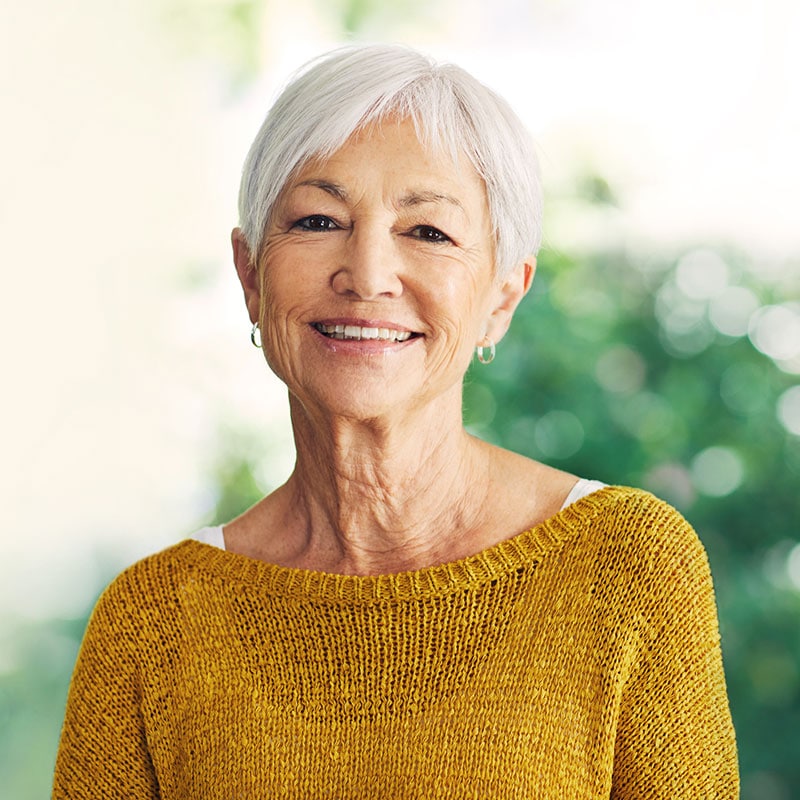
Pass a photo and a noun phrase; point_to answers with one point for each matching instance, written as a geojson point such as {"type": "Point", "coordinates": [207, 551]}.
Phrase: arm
{"type": "Point", "coordinates": [675, 738]}
{"type": "Point", "coordinates": [103, 750]}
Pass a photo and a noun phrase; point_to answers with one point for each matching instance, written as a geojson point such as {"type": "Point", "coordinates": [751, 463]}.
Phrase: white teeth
{"type": "Point", "coordinates": [357, 332]}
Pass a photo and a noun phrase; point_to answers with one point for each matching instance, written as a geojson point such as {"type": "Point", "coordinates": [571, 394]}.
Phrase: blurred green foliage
{"type": "Point", "coordinates": [234, 32]}
{"type": "Point", "coordinates": [229, 32]}
{"type": "Point", "coordinates": [32, 695]}
{"type": "Point", "coordinates": [597, 378]}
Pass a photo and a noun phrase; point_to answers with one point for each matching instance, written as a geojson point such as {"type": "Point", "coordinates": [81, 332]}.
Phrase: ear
{"type": "Point", "coordinates": [508, 295]}
{"type": "Point", "coordinates": [248, 274]}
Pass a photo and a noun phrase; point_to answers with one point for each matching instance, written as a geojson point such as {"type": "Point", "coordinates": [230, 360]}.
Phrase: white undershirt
{"type": "Point", "coordinates": [581, 489]}
{"type": "Point", "coordinates": [214, 536]}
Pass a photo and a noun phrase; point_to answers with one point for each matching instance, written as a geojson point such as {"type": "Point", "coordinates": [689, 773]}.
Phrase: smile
{"type": "Point", "coordinates": [357, 333]}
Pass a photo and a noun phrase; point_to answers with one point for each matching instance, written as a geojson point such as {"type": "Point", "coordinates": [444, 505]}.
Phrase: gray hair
{"type": "Point", "coordinates": [349, 88]}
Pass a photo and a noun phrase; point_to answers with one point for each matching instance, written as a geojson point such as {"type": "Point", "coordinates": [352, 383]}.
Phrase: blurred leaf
{"type": "Point", "coordinates": [589, 342]}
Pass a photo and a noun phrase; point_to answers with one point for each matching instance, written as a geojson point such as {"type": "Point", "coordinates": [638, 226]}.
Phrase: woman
{"type": "Point", "coordinates": [414, 613]}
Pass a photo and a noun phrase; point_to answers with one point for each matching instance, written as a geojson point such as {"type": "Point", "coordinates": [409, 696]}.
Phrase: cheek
{"type": "Point", "coordinates": [458, 315]}
{"type": "Point", "coordinates": [282, 307]}
{"type": "Point", "coordinates": [284, 296]}
{"type": "Point", "coordinates": [461, 302]}
{"type": "Point", "coordinates": [289, 279]}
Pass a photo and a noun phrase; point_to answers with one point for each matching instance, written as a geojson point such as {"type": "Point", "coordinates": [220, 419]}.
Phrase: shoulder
{"type": "Point", "coordinates": [635, 514]}
{"type": "Point", "coordinates": [141, 592]}
{"type": "Point", "coordinates": [646, 544]}
{"type": "Point", "coordinates": [154, 571]}
{"type": "Point", "coordinates": [637, 532]}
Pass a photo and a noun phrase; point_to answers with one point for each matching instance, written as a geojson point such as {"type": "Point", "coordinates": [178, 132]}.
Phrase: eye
{"type": "Point", "coordinates": [315, 222]}
{"type": "Point", "coordinates": [428, 233]}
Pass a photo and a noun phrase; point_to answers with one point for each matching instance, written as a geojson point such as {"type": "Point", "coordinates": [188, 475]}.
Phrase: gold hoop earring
{"type": "Point", "coordinates": [253, 333]}
{"type": "Point", "coordinates": [481, 349]}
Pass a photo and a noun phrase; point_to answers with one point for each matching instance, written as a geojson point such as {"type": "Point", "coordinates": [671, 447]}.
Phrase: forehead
{"type": "Point", "coordinates": [391, 156]}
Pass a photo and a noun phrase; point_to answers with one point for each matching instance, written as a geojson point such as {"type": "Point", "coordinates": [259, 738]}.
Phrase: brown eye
{"type": "Point", "coordinates": [427, 233]}
{"type": "Point", "coordinates": [316, 222]}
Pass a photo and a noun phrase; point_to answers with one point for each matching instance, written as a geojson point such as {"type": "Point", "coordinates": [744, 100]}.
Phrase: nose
{"type": "Point", "coordinates": [370, 265]}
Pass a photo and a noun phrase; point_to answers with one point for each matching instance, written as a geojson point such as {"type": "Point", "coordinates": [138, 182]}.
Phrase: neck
{"type": "Point", "coordinates": [384, 495]}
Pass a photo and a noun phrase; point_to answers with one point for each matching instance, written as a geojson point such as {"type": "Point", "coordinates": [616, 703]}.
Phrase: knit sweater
{"type": "Point", "coordinates": [579, 659]}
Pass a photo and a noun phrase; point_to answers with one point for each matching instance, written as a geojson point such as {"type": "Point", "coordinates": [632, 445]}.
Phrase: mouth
{"type": "Point", "coordinates": [358, 333]}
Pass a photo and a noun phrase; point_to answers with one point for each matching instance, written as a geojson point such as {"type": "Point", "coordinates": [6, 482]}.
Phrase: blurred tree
{"type": "Point", "coordinates": [620, 373]}
{"type": "Point", "coordinates": [236, 33]}
{"type": "Point", "coordinates": [38, 662]}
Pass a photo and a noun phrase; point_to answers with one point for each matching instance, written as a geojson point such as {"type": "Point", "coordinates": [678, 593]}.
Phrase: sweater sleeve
{"type": "Point", "coordinates": [103, 750]}
{"type": "Point", "coordinates": [675, 736]}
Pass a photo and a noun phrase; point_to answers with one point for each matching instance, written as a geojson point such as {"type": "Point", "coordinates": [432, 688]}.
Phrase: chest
{"type": "Point", "coordinates": [498, 691]}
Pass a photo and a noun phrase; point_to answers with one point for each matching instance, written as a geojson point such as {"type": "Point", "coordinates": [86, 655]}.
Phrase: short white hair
{"type": "Point", "coordinates": [347, 89]}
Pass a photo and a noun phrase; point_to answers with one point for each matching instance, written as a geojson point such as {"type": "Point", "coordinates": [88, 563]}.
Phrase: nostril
{"type": "Point", "coordinates": [366, 284]}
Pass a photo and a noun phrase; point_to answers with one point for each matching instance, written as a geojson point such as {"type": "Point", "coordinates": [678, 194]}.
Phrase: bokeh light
{"type": "Point", "coordinates": [789, 410]}
{"type": "Point", "coordinates": [717, 471]}
{"type": "Point", "coordinates": [621, 370]}
{"type": "Point", "coordinates": [730, 311]}
{"type": "Point", "coordinates": [775, 331]}
{"type": "Point", "coordinates": [701, 274]}
{"type": "Point", "coordinates": [558, 434]}
{"type": "Point", "coordinates": [793, 566]}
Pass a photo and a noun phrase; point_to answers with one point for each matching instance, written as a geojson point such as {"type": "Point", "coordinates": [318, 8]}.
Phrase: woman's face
{"type": "Point", "coordinates": [376, 277]}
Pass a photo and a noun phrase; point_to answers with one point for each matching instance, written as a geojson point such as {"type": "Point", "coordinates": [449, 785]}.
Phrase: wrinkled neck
{"type": "Point", "coordinates": [388, 491]}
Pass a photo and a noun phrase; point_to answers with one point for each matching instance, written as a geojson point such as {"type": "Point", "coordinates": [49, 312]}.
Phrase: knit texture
{"type": "Point", "coordinates": [579, 659]}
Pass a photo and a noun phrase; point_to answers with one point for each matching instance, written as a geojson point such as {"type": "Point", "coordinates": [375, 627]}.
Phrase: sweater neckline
{"type": "Point", "coordinates": [517, 552]}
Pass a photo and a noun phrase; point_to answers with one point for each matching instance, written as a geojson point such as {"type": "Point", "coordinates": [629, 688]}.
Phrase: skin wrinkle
{"type": "Point", "coordinates": [365, 243]}
{"type": "Point", "coordinates": [293, 199]}
{"type": "Point", "coordinates": [386, 477]}
{"type": "Point", "coordinates": [342, 472]}
{"type": "Point", "coordinates": [422, 196]}
{"type": "Point", "coordinates": [413, 198]}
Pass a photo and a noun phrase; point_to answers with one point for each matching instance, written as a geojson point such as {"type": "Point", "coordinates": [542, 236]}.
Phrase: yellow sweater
{"type": "Point", "coordinates": [579, 659]}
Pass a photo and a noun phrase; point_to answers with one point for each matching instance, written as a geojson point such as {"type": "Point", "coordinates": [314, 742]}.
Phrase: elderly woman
{"type": "Point", "coordinates": [415, 612]}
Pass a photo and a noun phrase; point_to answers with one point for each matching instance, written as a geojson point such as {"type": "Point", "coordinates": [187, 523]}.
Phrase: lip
{"type": "Point", "coordinates": [363, 346]}
{"type": "Point", "coordinates": [365, 323]}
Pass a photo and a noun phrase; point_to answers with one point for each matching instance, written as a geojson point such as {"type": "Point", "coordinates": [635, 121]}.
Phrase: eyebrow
{"type": "Point", "coordinates": [413, 198]}
{"type": "Point", "coordinates": [333, 189]}
{"type": "Point", "coordinates": [416, 198]}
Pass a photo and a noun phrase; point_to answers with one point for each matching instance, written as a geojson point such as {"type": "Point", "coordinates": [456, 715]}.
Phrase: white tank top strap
{"type": "Point", "coordinates": [581, 489]}
{"type": "Point", "coordinates": [210, 535]}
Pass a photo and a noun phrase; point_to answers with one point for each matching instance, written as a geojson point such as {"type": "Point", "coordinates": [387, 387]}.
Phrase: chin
{"type": "Point", "coordinates": [344, 398]}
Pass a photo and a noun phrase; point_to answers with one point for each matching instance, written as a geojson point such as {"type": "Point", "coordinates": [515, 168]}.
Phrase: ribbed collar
{"type": "Point", "coordinates": [520, 551]}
